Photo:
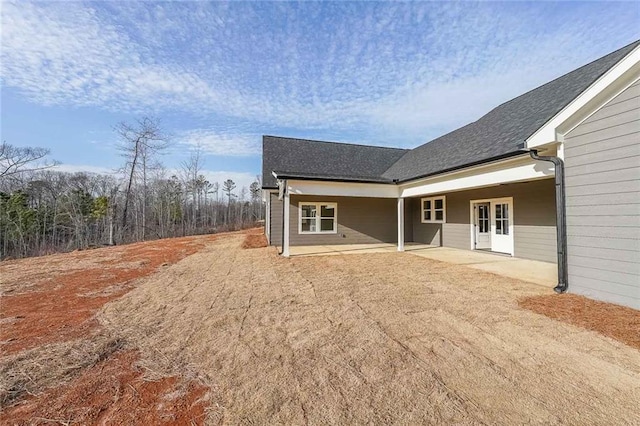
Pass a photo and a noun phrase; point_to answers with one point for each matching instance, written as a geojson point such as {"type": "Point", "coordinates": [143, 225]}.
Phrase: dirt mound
{"type": "Point", "coordinates": [252, 241]}
{"type": "Point", "coordinates": [617, 322]}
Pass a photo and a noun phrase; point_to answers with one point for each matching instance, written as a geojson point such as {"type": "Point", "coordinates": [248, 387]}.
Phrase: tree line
{"type": "Point", "coordinates": [43, 210]}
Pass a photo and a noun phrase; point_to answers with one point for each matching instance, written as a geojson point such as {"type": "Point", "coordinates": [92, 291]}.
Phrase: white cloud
{"type": "Point", "coordinates": [387, 70]}
{"type": "Point", "coordinates": [222, 143]}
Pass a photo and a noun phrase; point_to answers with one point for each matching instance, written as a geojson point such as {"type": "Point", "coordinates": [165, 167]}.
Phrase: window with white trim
{"type": "Point", "coordinates": [318, 218]}
{"type": "Point", "coordinates": [433, 210]}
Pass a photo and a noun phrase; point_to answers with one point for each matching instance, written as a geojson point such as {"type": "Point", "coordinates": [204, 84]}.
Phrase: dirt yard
{"type": "Point", "coordinates": [233, 335]}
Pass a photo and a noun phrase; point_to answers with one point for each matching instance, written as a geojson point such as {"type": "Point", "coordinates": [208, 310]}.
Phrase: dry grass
{"type": "Point", "coordinates": [377, 338]}
{"type": "Point", "coordinates": [32, 371]}
{"type": "Point", "coordinates": [618, 322]}
{"type": "Point", "coordinates": [252, 241]}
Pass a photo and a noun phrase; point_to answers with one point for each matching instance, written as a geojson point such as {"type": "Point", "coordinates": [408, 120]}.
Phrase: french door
{"type": "Point", "coordinates": [483, 226]}
{"type": "Point", "coordinates": [502, 226]}
{"type": "Point", "coordinates": [493, 225]}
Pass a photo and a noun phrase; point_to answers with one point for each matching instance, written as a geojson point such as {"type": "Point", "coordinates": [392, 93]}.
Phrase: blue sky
{"type": "Point", "coordinates": [219, 75]}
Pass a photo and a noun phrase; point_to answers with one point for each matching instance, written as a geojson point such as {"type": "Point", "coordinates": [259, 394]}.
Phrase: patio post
{"type": "Point", "coordinates": [400, 224]}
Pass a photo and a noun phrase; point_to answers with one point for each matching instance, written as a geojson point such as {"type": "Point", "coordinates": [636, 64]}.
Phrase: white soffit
{"type": "Point", "coordinates": [513, 170]}
{"type": "Point", "coordinates": [341, 189]}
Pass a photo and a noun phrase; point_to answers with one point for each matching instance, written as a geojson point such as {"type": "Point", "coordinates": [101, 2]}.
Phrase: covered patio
{"type": "Point", "coordinates": [536, 272]}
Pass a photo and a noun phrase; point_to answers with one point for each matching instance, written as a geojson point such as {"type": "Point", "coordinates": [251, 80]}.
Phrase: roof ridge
{"type": "Point", "coordinates": [337, 143]}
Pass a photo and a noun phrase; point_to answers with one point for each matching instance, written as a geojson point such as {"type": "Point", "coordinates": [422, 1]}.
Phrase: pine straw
{"type": "Point", "coordinates": [252, 241]}
{"type": "Point", "coordinates": [618, 322]}
{"type": "Point", "coordinates": [32, 371]}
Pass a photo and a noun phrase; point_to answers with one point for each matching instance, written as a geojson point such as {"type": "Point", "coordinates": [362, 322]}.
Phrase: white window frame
{"type": "Point", "coordinates": [318, 205]}
{"type": "Point", "coordinates": [433, 209]}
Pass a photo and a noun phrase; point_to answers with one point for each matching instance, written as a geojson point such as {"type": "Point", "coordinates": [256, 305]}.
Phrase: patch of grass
{"type": "Point", "coordinates": [32, 371]}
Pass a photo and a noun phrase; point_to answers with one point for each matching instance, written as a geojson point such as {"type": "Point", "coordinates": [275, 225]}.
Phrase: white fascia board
{"type": "Point", "coordinates": [508, 171]}
{"type": "Point", "coordinates": [608, 86]}
{"type": "Point", "coordinates": [341, 189]}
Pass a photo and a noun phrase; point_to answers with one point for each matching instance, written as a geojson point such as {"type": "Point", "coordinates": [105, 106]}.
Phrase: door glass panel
{"type": "Point", "coordinates": [502, 219]}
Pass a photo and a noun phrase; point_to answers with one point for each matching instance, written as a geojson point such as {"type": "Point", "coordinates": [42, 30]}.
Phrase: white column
{"type": "Point", "coordinates": [400, 224]}
{"type": "Point", "coordinates": [285, 231]}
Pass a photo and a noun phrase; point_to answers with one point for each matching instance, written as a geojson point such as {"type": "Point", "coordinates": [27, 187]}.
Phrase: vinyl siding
{"type": "Point", "coordinates": [424, 233]}
{"type": "Point", "coordinates": [360, 221]}
{"type": "Point", "coordinates": [275, 220]}
{"type": "Point", "coordinates": [602, 163]}
{"type": "Point", "coordinates": [533, 216]}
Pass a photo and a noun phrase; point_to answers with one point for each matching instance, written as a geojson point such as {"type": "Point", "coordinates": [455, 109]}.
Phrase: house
{"type": "Point", "coordinates": [552, 175]}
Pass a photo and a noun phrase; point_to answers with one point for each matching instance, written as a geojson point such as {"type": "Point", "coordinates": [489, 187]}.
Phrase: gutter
{"type": "Point", "coordinates": [561, 219]}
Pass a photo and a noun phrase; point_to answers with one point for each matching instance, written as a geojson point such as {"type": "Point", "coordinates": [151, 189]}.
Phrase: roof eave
{"type": "Point", "coordinates": [467, 165]}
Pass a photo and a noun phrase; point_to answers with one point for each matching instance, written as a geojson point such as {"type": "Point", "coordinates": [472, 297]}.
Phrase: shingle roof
{"type": "Point", "coordinates": [309, 159]}
{"type": "Point", "coordinates": [504, 129]}
{"type": "Point", "coordinates": [499, 133]}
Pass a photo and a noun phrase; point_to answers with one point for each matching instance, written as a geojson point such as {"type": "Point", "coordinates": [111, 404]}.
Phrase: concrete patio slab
{"type": "Point", "coordinates": [541, 273]}
{"type": "Point", "coordinates": [333, 250]}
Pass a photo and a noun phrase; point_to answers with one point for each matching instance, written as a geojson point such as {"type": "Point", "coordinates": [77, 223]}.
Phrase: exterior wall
{"type": "Point", "coordinates": [424, 233]}
{"type": "Point", "coordinates": [408, 220]}
{"type": "Point", "coordinates": [275, 220]}
{"type": "Point", "coordinates": [533, 219]}
{"type": "Point", "coordinates": [360, 221]}
{"type": "Point", "coordinates": [602, 160]}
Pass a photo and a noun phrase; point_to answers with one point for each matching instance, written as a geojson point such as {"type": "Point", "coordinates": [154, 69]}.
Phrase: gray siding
{"type": "Point", "coordinates": [602, 160]}
{"type": "Point", "coordinates": [408, 220]}
{"type": "Point", "coordinates": [360, 221]}
{"type": "Point", "coordinates": [275, 220]}
{"type": "Point", "coordinates": [533, 219]}
{"type": "Point", "coordinates": [425, 233]}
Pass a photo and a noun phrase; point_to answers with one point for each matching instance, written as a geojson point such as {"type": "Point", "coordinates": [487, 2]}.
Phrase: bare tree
{"type": "Point", "coordinates": [138, 142]}
{"type": "Point", "coordinates": [14, 159]}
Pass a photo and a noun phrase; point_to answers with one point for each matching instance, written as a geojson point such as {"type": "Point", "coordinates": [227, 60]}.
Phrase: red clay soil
{"type": "Point", "coordinates": [57, 299]}
{"type": "Point", "coordinates": [254, 241]}
{"type": "Point", "coordinates": [618, 322]}
{"type": "Point", "coordinates": [114, 392]}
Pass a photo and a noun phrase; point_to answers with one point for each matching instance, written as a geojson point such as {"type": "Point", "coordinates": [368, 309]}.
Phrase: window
{"type": "Point", "coordinates": [433, 210]}
{"type": "Point", "coordinates": [502, 219]}
{"type": "Point", "coordinates": [318, 218]}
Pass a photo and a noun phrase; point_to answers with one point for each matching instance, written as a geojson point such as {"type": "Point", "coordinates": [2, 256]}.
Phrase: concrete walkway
{"type": "Point", "coordinates": [542, 273]}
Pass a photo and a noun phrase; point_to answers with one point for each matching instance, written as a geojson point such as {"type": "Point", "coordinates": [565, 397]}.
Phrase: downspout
{"type": "Point", "coordinates": [561, 219]}
{"type": "Point", "coordinates": [284, 182]}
